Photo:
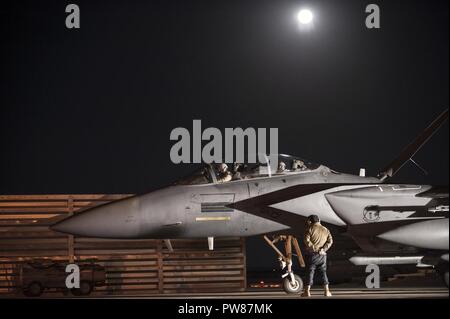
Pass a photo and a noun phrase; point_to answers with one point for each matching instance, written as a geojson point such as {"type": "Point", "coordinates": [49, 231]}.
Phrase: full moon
{"type": "Point", "coordinates": [305, 16]}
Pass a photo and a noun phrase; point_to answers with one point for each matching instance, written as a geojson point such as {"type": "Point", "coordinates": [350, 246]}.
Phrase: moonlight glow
{"type": "Point", "coordinates": [305, 16]}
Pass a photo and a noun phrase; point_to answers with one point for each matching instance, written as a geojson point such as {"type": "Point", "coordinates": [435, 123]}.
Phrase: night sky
{"type": "Point", "coordinates": [91, 110]}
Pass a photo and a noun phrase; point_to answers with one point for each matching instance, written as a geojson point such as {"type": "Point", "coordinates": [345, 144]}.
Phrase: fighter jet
{"type": "Point", "coordinates": [392, 223]}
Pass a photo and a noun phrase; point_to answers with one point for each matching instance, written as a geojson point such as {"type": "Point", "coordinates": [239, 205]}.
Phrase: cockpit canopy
{"type": "Point", "coordinates": [211, 173]}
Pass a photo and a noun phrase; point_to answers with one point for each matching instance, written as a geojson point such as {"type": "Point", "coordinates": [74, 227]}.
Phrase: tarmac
{"type": "Point", "coordinates": [407, 288]}
{"type": "Point", "coordinates": [338, 293]}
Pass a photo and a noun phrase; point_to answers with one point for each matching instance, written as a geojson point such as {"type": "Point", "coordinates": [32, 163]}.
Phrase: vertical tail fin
{"type": "Point", "coordinates": [409, 151]}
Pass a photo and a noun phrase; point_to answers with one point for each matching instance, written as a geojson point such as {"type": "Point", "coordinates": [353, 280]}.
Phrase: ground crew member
{"type": "Point", "coordinates": [317, 241]}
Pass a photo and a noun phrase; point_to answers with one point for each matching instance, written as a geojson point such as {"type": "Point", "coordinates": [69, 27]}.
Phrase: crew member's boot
{"type": "Point", "coordinates": [327, 292]}
{"type": "Point", "coordinates": [307, 292]}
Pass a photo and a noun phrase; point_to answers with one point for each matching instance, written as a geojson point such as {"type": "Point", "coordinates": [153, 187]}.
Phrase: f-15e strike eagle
{"type": "Point", "coordinates": [392, 223]}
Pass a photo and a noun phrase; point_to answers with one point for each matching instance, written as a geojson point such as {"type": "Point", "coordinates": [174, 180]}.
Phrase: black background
{"type": "Point", "coordinates": [91, 110]}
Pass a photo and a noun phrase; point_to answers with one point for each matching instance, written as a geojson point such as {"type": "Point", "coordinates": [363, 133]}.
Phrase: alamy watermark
{"type": "Point", "coordinates": [372, 19]}
{"type": "Point", "coordinates": [235, 145]}
{"type": "Point", "coordinates": [73, 278]}
{"type": "Point", "coordinates": [73, 17]}
{"type": "Point", "coordinates": [373, 277]}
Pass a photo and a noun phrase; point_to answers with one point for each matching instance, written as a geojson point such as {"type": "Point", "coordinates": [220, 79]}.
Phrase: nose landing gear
{"type": "Point", "coordinates": [292, 283]}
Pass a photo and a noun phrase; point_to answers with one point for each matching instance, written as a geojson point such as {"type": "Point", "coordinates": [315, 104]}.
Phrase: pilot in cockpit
{"type": "Point", "coordinates": [298, 165]}
{"type": "Point", "coordinates": [237, 171]}
{"type": "Point", "coordinates": [224, 174]}
{"type": "Point", "coordinates": [281, 167]}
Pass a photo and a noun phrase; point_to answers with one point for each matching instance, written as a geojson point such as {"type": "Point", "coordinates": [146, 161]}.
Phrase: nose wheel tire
{"type": "Point", "coordinates": [293, 287]}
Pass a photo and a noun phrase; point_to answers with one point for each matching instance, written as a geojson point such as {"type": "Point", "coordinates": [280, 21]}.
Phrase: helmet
{"type": "Point", "coordinates": [223, 167]}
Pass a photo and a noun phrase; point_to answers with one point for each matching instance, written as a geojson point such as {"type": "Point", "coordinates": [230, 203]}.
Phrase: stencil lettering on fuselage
{"type": "Point", "coordinates": [214, 203]}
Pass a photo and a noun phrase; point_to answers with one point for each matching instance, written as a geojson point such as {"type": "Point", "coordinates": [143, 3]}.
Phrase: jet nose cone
{"type": "Point", "coordinates": [91, 224]}
{"type": "Point", "coordinates": [115, 220]}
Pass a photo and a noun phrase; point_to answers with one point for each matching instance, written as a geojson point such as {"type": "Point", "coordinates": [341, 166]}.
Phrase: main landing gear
{"type": "Point", "coordinates": [292, 283]}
